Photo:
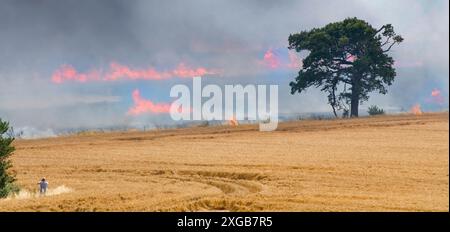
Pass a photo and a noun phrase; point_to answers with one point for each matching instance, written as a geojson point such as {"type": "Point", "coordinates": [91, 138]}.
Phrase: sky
{"type": "Point", "coordinates": [88, 64]}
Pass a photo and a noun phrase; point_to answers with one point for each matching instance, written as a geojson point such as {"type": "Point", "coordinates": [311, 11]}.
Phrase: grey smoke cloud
{"type": "Point", "coordinates": [39, 36]}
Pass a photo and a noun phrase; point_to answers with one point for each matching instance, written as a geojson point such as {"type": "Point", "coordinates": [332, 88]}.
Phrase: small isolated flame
{"type": "Point", "coordinates": [416, 110]}
{"type": "Point", "coordinates": [436, 97]}
{"type": "Point", "coordinates": [435, 92]}
{"type": "Point", "coordinates": [233, 121]}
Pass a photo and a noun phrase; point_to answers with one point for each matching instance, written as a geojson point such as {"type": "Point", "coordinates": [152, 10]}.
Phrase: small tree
{"type": "Point", "coordinates": [7, 178]}
{"type": "Point", "coordinates": [374, 110]}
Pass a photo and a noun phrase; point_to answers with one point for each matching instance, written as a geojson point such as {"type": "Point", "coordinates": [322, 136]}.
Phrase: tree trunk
{"type": "Point", "coordinates": [354, 104]}
{"type": "Point", "coordinates": [334, 111]}
{"type": "Point", "coordinates": [333, 103]}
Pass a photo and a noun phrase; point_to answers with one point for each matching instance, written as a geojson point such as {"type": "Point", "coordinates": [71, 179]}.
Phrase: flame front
{"type": "Point", "coordinates": [142, 105]}
{"type": "Point", "coordinates": [118, 71]}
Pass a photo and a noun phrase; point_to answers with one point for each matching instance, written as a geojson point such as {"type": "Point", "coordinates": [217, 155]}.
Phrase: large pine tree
{"type": "Point", "coordinates": [350, 53]}
{"type": "Point", "coordinates": [7, 178]}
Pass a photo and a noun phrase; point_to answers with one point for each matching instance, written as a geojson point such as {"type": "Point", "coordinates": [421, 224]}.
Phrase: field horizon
{"type": "Point", "coordinates": [382, 163]}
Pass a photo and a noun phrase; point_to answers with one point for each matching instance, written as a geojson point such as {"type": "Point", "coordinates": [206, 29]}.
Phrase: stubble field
{"type": "Point", "coordinates": [388, 163]}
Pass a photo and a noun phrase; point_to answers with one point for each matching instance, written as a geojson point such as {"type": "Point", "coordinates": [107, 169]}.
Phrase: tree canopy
{"type": "Point", "coordinates": [347, 60]}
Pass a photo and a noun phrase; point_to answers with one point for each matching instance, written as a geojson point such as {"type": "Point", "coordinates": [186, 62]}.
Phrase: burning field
{"type": "Point", "coordinates": [387, 163]}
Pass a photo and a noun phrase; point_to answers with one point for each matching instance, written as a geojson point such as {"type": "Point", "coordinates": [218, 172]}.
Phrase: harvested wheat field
{"type": "Point", "coordinates": [388, 163]}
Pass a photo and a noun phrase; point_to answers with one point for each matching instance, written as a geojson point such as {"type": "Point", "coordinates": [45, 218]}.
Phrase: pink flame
{"type": "Point", "coordinates": [271, 60]}
{"type": "Point", "coordinates": [68, 72]}
{"type": "Point", "coordinates": [142, 105]}
{"type": "Point", "coordinates": [435, 92]}
{"type": "Point", "coordinates": [415, 109]}
{"type": "Point", "coordinates": [436, 97]}
{"type": "Point", "coordinates": [118, 71]}
{"type": "Point", "coordinates": [352, 58]}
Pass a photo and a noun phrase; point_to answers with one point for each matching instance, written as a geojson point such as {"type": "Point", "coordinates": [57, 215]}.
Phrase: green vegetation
{"type": "Point", "coordinates": [7, 178]}
{"type": "Point", "coordinates": [375, 110]}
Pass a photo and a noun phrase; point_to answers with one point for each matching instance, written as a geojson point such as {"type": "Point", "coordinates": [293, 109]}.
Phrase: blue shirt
{"type": "Point", "coordinates": [43, 185]}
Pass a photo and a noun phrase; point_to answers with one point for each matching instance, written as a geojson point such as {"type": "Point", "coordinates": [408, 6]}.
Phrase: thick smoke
{"type": "Point", "coordinates": [238, 41]}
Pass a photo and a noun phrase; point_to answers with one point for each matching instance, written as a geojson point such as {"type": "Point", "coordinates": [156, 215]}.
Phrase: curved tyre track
{"type": "Point", "coordinates": [232, 185]}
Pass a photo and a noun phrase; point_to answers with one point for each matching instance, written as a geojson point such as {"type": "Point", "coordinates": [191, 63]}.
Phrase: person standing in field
{"type": "Point", "coordinates": [43, 185]}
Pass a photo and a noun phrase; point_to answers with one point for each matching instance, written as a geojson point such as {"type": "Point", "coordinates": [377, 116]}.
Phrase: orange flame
{"type": "Point", "coordinates": [233, 121]}
{"type": "Point", "coordinates": [416, 110]}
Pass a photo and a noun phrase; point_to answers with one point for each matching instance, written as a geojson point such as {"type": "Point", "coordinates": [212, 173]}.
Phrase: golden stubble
{"type": "Point", "coordinates": [387, 163]}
